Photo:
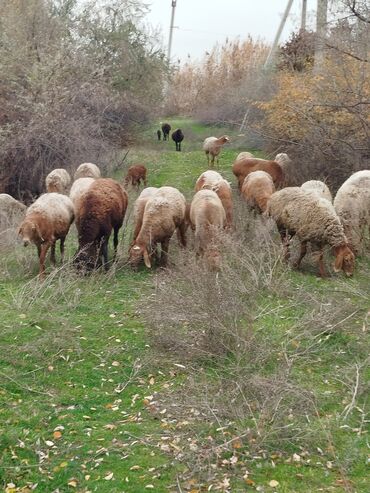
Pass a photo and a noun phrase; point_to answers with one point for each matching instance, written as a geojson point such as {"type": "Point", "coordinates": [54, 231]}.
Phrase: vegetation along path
{"type": "Point", "coordinates": [88, 402]}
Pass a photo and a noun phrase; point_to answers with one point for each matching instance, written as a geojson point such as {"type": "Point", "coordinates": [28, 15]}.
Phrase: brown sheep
{"type": "Point", "coordinates": [164, 212]}
{"type": "Point", "coordinates": [213, 145]}
{"type": "Point", "coordinates": [207, 218]}
{"type": "Point", "coordinates": [242, 168]}
{"type": "Point", "coordinates": [47, 220]}
{"type": "Point", "coordinates": [100, 209]}
{"type": "Point", "coordinates": [257, 189]}
{"type": "Point", "coordinates": [135, 175]}
{"type": "Point", "coordinates": [212, 180]}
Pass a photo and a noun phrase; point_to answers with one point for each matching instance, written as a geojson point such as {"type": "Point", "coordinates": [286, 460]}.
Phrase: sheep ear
{"type": "Point", "coordinates": [147, 259]}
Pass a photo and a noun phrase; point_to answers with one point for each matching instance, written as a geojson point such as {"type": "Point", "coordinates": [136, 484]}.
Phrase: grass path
{"type": "Point", "coordinates": [77, 375]}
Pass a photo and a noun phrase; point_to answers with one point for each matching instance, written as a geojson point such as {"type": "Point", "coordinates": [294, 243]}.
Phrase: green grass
{"type": "Point", "coordinates": [77, 372]}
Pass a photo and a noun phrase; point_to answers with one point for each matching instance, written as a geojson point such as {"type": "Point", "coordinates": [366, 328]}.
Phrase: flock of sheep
{"type": "Point", "coordinates": [98, 206]}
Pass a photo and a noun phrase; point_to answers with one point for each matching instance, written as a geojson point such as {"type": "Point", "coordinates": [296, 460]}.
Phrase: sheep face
{"type": "Point", "coordinates": [136, 254]}
{"type": "Point", "coordinates": [344, 260]}
{"type": "Point", "coordinates": [29, 233]}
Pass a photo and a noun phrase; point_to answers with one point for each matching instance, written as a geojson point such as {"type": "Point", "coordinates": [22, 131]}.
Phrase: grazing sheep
{"type": "Point", "coordinates": [139, 207]}
{"type": "Point", "coordinates": [135, 174]}
{"type": "Point", "coordinates": [58, 181]}
{"type": "Point", "coordinates": [164, 212]}
{"type": "Point", "coordinates": [87, 170]}
{"type": "Point", "coordinates": [212, 180]}
{"type": "Point", "coordinates": [159, 135]}
{"type": "Point", "coordinates": [10, 209]}
{"type": "Point", "coordinates": [243, 167]}
{"type": "Point", "coordinates": [79, 187]}
{"type": "Point", "coordinates": [257, 189]}
{"type": "Point", "coordinates": [312, 219]}
{"type": "Point", "coordinates": [213, 145]}
{"type": "Point", "coordinates": [283, 159]}
{"type": "Point", "coordinates": [178, 137]}
{"type": "Point", "coordinates": [243, 155]}
{"type": "Point", "coordinates": [166, 129]}
{"type": "Point", "coordinates": [99, 210]}
{"type": "Point", "coordinates": [47, 220]}
{"type": "Point", "coordinates": [207, 218]}
{"type": "Point", "coordinates": [352, 204]}
{"type": "Point", "coordinates": [318, 187]}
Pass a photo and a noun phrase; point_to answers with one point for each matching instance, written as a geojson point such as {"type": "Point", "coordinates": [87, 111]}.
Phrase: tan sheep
{"type": "Point", "coordinates": [243, 155]}
{"type": "Point", "coordinates": [164, 212]}
{"type": "Point", "coordinates": [319, 188]}
{"type": "Point", "coordinates": [10, 209]}
{"type": "Point", "coordinates": [207, 218]}
{"type": "Point", "coordinates": [257, 189]}
{"type": "Point", "coordinates": [242, 167]}
{"type": "Point", "coordinates": [79, 188]}
{"type": "Point", "coordinates": [139, 207]}
{"type": "Point", "coordinates": [312, 219]}
{"type": "Point", "coordinates": [47, 220]}
{"type": "Point", "coordinates": [352, 203]}
{"type": "Point", "coordinates": [212, 180]}
{"type": "Point", "coordinates": [87, 170]}
{"type": "Point", "coordinates": [58, 181]}
{"type": "Point", "coordinates": [213, 145]}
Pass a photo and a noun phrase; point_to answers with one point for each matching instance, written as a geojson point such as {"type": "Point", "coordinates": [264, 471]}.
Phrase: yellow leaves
{"type": "Point", "coordinates": [72, 483]}
{"type": "Point", "coordinates": [10, 488]}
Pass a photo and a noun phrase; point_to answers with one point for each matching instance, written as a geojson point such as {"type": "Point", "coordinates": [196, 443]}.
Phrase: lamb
{"type": "Point", "coordinates": [139, 207]}
{"type": "Point", "coordinates": [166, 129]}
{"type": "Point", "coordinates": [242, 168]}
{"type": "Point", "coordinates": [207, 218]}
{"type": "Point", "coordinates": [257, 189]}
{"type": "Point", "coordinates": [86, 170]}
{"type": "Point", "coordinates": [178, 137]}
{"type": "Point", "coordinates": [352, 204]}
{"type": "Point", "coordinates": [136, 174]}
{"type": "Point", "coordinates": [47, 220]}
{"type": "Point", "coordinates": [212, 180]}
{"type": "Point", "coordinates": [100, 209]}
{"type": "Point", "coordinates": [243, 155]}
{"type": "Point", "coordinates": [58, 181]}
{"type": "Point", "coordinates": [312, 219]}
{"type": "Point", "coordinates": [213, 145]}
{"type": "Point", "coordinates": [10, 208]}
{"type": "Point", "coordinates": [79, 188]}
{"type": "Point", "coordinates": [164, 212]}
{"type": "Point", "coordinates": [319, 188]}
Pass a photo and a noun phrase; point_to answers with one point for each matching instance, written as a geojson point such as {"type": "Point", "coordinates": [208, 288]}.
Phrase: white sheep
{"type": "Point", "coordinates": [87, 170]}
{"type": "Point", "coordinates": [207, 218]}
{"type": "Point", "coordinates": [318, 187]}
{"type": "Point", "coordinates": [10, 209]}
{"type": "Point", "coordinates": [213, 145]}
{"type": "Point", "coordinates": [312, 219]}
{"type": "Point", "coordinates": [164, 212]}
{"type": "Point", "coordinates": [79, 188]}
{"type": "Point", "coordinates": [257, 189]}
{"type": "Point", "coordinates": [352, 204]}
{"type": "Point", "coordinates": [212, 180]}
{"type": "Point", "coordinates": [58, 181]}
{"type": "Point", "coordinates": [244, 155]}
{"type": "Point", "coordinates": [47, 220]}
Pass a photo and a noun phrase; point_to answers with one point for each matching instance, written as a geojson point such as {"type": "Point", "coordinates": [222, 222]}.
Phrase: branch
{"type": "Point", "coordinates": [347, 53]}
{"type": "Point", "coordinates": [352, 8]}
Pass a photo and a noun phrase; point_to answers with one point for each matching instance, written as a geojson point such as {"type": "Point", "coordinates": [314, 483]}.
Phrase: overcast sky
{"type": "Point", "coordinates": [202, 23]}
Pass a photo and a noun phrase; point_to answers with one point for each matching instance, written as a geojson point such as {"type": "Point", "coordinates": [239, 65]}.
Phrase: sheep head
{"type": "Point", "coordinates": [138, 252]}
{"type": "Point", "coordinates": [344, 260]}
{"type": "Point", "coordinates": [29, 231]}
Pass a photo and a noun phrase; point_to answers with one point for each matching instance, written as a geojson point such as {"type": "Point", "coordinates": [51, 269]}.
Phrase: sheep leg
{"type": "Point", "coordinates": [181, 233]}
{"type": "Point", "coordinates": [61, 247]}
{"type": "Point", "coordinates": [164, 251]}
{"type": "Point", "coordinates": [115, 240]}
{"type": "Point", "coordinates": [285, 238]}
{"type": "Point", "coordinates": [302, 253]}
{"type": "Point", "coordinates": [321, 264]}
{"type": "Point", "coordinates": [104, 252]}
{"type": "Point", "coordinates": [43, 251]}
{"type": "Point", "coordinates": [52, 254]}
{"type": "Point", "coordinates": [180, 146]}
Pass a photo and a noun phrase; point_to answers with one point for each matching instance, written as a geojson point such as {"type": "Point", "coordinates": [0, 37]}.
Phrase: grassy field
{"type": "Point", "coordinates": [87, 404]}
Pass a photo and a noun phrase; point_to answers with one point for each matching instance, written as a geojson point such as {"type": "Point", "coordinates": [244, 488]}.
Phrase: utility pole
{"type": "Point", "coordinates": [171, 30]}
{"type": "Point", "coordinates": [321, 26]}
{"type": "Point", "coordinates": [271, 55]}
{"type": "Point", "coordinates": [304, 15]}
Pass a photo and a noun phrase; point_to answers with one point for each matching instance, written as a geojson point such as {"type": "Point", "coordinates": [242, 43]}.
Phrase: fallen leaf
{"type": "Point", "coordinates": [73, 483]}
{"type": "Point", "coordinates": [273, 483]}
{"type": "Point", "coordinates": [109, 476]}
{"type": "Point", "coordinates": [57, 435]}
{"type": "Point", "coordinates": [49, 443]}
{"type": "Point", "coordinates": [115, 363]}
